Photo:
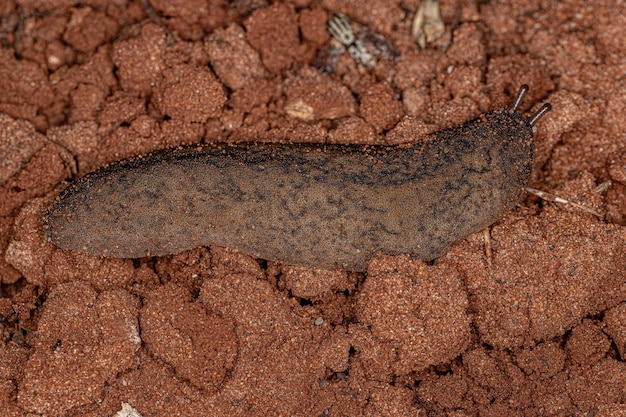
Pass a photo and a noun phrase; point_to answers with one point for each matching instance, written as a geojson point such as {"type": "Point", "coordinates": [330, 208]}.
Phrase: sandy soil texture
{"type": "Point", "coordinates": [536, 327]}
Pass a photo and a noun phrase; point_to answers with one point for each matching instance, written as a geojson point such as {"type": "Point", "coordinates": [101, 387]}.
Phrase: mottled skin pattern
{"type": "Point", "coordinates": [326, 206]}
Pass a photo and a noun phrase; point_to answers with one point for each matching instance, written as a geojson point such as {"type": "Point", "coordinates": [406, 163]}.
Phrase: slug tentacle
{"type": "Point", "coordinates": [520, 96]}
{"type": "Point", "coordinates": [543, 110]}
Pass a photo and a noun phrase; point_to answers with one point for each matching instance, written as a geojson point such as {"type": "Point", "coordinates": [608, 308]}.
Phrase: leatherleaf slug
{"type": "Point", "coordinates": [325, 206]}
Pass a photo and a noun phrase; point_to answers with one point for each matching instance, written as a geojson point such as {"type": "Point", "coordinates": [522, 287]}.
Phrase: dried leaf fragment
{"type": "Point", "coordinates": [427, 24]}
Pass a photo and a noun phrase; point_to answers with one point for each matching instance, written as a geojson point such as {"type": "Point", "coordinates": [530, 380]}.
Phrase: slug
{"type": "Point", "coordinates": [318, 205]}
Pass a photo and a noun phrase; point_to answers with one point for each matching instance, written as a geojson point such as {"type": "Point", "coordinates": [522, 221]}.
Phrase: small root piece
{"type": "Point", "coordinates": [488, 251]}
{"type": "Point", "coordinates": [556, 199]}
{"type": "Point", "coordinates": [603, 187]}
{"type": "Point", "coordinates": [155, 18]}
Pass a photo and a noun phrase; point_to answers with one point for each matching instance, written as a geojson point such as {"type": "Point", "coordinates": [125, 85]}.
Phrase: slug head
{"type": "Point", "coordinates": [520, 144]}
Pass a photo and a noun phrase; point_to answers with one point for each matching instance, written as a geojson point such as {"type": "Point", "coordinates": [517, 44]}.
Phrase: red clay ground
{"type": "Point", "coordinates": [539, 331]}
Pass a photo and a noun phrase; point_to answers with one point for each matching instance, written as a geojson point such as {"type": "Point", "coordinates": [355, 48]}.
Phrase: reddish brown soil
{"type": "Point", "coordinates": [536, 329]}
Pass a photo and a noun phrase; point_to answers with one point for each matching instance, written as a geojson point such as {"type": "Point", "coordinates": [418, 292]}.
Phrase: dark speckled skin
{"type": "Point", "coordinates": [326, 206]}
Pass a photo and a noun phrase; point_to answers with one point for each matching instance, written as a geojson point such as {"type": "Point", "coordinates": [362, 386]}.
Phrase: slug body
{"type": "Point", "coordinates": [327, 206]}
